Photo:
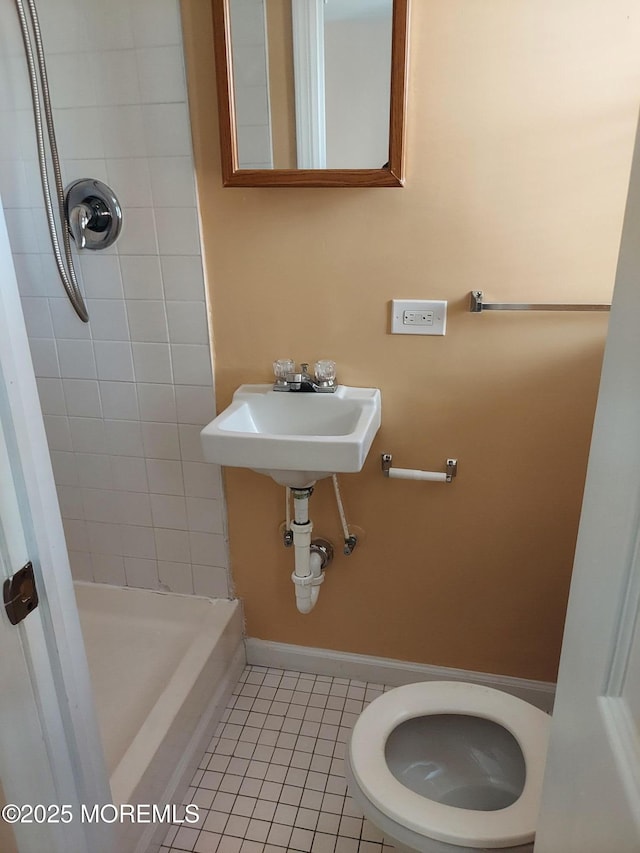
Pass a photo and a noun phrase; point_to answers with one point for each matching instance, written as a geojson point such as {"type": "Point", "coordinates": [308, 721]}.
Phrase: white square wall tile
{"type": "Point", "coordinates": [130, 474]}
{"type": "Point", "coordinates": [190, 444]}
{"type": "Point", "coordinates": [202, 480]}
{"type": "Point", "coordinates": [104, 538]}
{"type": "Point", "coordinates": [173, 182]}
{"type": "Point", "coordinates": [183, 277]}
{"type": "Point", "coordinates": [110, 27]}
{"type": "Point", "coordinates": [51, 396]}
{"type": "Point", "coordinates": [88, 435]}
{"type": "Point", "coordinates": [37, 316]}
{"type": "Point", "coordinates": [65, 468]}
{"type": "Point", "coordinates": [138, 237]}
{"type": "Point", "coordinates": [141, 573]}
{"type": "Point", "coordinates": [44, 355]}
{"type": "Point", "coordinates": [101, 276]}
{"type": "Point", "coordinates": [160, 440]}
{"type": "Point", "coordinates": [191, 364]}
{"type": "Point", "coordinates": [82, 397]}
{"type": "Point", "coordinates": [76, 359]}
{"type": "Point", "coordinates": [134, 508]}
{"type": "Point", "coordinates": [195, 404]}
{"type": "Point", "coordinates": [138, 541]}
{"type": "Point", "coordinates": [205, 515]}
{"type": "Point", "coordinates": [152, 362]}
{"type": "Point", "coordinates": [70, 500]}
{"type": "Point", "coordinates": [117, 84]}
{"type": "Point", "coordinates": [188, 323]}
{"type": "Point", "coordinates": [108, 568]}
{"type": "Point", "coordinates": [178, 230]}
{"type": "Point", "coordinates": [76, 534]}
{"type": "Point", "coordinates": [157, 402]}
{"type": "Point", "coordinates": [165, 477]}
{"type": "Point", "coordinates": [156, 22]}
{"type": "Point", "coordinates": [210, 581]}
{"type": "Point", "coordinates": [167, 130]}
{"type": "Point", "coordinates": [208, 549]}
{"type": "Point", "coordinates": [68, 87]}
{"type": "Point", "coordinates": [169, 511]}
{"type": "Point", "coordinates": [94, 470]}
{"type": "Point", "coordinates": [147, 320]}
{"type": "Point", "coordinates": [80, 563]}
{"type": "Point", "coordinates": [66, 323]}
{"type": "Point", "coordinates": [31, 280]}
{"type": "Point", "coordinates": [141, 276]}
{"type": "Point", "coordinates": [161, 74]}
{"type": "Point", "coordinates": [172, 545]}
{"type": "Point", "coordinates": [129, 178]}
{"type": "Point", "coordinates": [108, 320]}
{"type": "Point", "coordinates": [20, 227]}
{"type": "Point", "coordinates": [124, 438]}
{"type": "Point", "coordinates": [114, 360]}
{"type": "Point", "coordinates": [71, 127]}
{"type": "Point", "coordinates": [58, 432]}
{"type": "Point", "coordinates": [122, 135]}
{"type": "Point", "coordinates": [176, 577]}
{"type": "Point", "coordinates": [119, 400]}
{"type": "Point", "coordinates": [100, 505]}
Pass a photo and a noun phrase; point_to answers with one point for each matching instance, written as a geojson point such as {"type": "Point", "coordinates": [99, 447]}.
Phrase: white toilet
{"type": "Point", "coordinates": [449, 767]}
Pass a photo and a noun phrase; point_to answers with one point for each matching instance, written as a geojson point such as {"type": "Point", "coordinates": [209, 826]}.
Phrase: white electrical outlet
{"type": "Point", "coordinates": [418, 316]}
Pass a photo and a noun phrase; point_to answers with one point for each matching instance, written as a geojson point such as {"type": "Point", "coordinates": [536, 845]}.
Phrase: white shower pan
{"type": "Point", "coordinates": [162, 668]}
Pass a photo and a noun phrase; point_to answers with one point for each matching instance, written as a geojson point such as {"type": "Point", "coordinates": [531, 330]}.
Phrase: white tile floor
{"type": "Point", "coordinates": [272, 778]}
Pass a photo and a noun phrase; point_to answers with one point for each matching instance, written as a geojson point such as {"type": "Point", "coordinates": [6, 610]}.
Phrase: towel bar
{"type": "Point", "coordinates": [478, 305]}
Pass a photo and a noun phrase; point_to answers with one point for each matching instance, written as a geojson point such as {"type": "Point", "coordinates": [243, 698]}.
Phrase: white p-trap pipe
{"type": "Point", "coordinates": [307, 575]}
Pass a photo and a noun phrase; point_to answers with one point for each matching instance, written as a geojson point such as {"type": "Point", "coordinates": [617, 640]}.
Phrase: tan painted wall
{"type": "Point", "coordinates": [521, 122]}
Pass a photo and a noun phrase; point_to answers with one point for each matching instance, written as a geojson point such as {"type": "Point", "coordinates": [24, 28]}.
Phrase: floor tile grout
{"type": "Point", "coordinates": [272, 778]}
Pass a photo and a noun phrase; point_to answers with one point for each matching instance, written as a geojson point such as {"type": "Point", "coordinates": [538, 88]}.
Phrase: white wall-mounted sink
{"type": "Point", "coordinates": [294, 437]}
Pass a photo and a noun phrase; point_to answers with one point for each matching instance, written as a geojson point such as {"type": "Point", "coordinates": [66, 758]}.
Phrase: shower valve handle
{"type": "Point", "coordinates": [79, 218]}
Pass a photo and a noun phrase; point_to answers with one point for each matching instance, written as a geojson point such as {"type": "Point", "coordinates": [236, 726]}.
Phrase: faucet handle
{"type": "Point", "coordinates": [282, 367]}
{"type": "Point", "coordinates": [325, 371]}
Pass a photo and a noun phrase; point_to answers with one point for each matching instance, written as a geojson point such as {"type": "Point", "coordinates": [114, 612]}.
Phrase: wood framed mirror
{"type": "Point", "coordinates": [285, 100]}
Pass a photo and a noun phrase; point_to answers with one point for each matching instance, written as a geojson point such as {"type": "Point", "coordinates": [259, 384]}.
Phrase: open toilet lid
{"type": "Point", "coordinates": [511, 826]}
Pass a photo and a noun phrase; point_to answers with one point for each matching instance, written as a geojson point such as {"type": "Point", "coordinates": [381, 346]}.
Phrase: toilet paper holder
{"type": "Point", "coordinates": [446, 476]}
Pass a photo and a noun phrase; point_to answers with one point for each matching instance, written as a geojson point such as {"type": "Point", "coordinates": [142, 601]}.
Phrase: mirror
{"type": "Point", "coordinates": [311, 92]}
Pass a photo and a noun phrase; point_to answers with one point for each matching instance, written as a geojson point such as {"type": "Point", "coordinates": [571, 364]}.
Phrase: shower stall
{"type": "Point", "coordinates": [124, 395]}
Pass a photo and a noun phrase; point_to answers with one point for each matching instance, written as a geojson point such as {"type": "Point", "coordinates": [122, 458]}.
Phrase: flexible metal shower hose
{"type": "Point", "coordinates": [68, 278]}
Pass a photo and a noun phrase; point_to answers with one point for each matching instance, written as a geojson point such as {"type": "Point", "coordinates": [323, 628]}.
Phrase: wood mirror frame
{"type": "Point", "coordinates": [392, 175]}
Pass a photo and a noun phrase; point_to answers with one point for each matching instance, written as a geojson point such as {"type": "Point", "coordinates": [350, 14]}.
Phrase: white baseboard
{"type": "Point", "coordinates": [388, 671]}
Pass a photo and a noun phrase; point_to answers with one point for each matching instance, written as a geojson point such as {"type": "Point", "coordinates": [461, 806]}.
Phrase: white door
{"type": "Point", "coordinates": [591, 794]}
{"type": "Point", "coordinates": [50, 752]}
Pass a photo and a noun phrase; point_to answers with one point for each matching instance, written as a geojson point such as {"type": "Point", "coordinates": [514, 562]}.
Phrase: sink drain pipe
{"type": "Point", "coordinates": [310, 557]}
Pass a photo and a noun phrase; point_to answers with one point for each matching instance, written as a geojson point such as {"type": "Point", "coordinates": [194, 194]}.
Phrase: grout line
{"type": "Point", "coordinates": [325, 742]}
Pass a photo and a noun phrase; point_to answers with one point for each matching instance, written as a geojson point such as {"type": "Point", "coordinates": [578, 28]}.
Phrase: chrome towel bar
{"type": "Point", "coordinates": [478, 305]}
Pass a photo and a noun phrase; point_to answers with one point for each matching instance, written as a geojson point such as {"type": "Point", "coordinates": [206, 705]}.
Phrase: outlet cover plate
{"type": "Point", "coordinates": [418, 316]}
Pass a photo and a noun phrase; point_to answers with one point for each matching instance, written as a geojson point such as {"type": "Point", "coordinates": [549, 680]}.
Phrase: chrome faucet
{"type": "Point", "coordinates": [323, 379]}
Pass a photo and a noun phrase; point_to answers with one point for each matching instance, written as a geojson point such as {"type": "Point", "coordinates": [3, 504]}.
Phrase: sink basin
{"type": "Point", "coordinates": [294, 437]}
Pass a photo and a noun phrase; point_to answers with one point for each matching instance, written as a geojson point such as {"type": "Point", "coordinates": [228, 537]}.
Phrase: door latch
{"type": "Point", "coordinates": [20, 594]}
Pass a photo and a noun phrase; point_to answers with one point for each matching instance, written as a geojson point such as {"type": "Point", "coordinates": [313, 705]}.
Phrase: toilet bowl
{"type": "Point", "coordinates": [450, 767]}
